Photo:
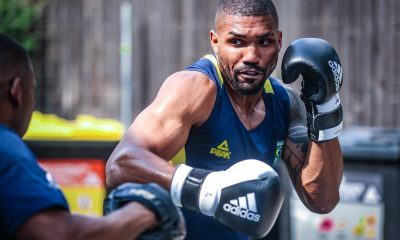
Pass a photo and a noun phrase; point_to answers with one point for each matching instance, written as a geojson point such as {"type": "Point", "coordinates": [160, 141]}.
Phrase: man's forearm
{"type": "Point", "coordinates": [321, 175]}
{"type": "Point", "coordinates": [127, 223]}
{"type": "Point", "coordinates": [139, 166]}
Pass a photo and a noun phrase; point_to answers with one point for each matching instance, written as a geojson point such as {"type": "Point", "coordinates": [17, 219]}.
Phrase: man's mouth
{"type": "Point", "coordinates": [250, 75]}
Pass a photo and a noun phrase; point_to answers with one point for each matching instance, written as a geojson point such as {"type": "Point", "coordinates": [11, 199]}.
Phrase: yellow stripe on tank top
{"type": "Point", "coordinates": [214, 62]}
{"type": "Point", "coordinates": [179, 158]}
{"type": "Point", "coordinates": [268, 87]}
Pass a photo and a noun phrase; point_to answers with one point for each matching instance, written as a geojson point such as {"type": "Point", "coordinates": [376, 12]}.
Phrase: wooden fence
{"type": "Point", "coordinates": [82, 51]}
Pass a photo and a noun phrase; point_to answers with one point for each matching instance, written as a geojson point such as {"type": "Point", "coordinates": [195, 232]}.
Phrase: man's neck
{"type": "Point", "coordinates": [249, 108]}
{"type": "Point", "coordinates": [245, 103]}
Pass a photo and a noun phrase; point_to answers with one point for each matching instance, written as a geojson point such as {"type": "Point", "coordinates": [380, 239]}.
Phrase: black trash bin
{"type": "Point", "coordinates": [375, 153]}
{"type": "Point", "coordinates": [368, 209]}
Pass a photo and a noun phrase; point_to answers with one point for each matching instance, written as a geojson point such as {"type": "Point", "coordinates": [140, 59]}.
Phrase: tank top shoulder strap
{"type": "Point", "coordinates": [208, 65]}
{"type": "Point", "coordinates": [273, 86]}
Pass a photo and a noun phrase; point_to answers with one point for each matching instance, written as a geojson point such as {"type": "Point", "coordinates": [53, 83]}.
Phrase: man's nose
{"type": "Point", "coordinates": [251, 55]}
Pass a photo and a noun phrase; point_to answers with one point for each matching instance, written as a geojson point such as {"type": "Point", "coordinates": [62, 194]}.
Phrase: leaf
{"type": "Point", "coordinates": [18, 18]}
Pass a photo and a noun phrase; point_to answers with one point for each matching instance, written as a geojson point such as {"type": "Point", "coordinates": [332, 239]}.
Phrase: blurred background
{"type": "Point", "coordinates": [78, 47]}
{"type": "Point", "coordinates": [98, 63]}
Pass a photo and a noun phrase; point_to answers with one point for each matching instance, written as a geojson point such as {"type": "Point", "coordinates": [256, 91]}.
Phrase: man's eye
{"type": "Point", "coordinates": [264, 42]}
{"type": "Point", "coordinates": [236, 42]}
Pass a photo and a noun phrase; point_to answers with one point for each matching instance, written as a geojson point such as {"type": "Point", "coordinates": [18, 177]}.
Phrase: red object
{"type": "Point", "coordinates": [326, 225]}
{"type": "Point", "coordinates": [76, 172]}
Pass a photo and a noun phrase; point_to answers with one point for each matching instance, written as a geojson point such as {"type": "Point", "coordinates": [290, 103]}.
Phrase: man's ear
{"type": "Point", "coordinates": [280, 39]}
{"type": "Point", "coordinates": [15, 92]}
{"type": "Point", "coordinates": [214, 41]}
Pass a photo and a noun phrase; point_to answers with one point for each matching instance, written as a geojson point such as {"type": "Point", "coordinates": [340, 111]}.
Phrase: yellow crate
{"type": "Point", "coordinates": [85, 201]}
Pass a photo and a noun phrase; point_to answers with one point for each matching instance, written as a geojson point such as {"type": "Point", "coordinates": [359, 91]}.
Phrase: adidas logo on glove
{"type": "Point", "coordinates": [337, 73]}
{"type": "Point", "coordinates": [244, 207]}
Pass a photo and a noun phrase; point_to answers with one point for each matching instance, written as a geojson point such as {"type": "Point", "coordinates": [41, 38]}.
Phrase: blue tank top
{"type": "Point", "coordinates": [223, 141]}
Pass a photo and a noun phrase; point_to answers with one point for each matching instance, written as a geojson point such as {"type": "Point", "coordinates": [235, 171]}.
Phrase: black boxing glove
{"type": "Point", "coordinates": [171, 224]}
{"type": "Point", "coordinates": [318, 63]}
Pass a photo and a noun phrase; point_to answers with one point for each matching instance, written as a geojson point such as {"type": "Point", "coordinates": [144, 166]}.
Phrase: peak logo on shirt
{"type": "Point", "coordinates": [222, 150]}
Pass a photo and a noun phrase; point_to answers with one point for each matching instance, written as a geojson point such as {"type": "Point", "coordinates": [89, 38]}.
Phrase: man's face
{"type": "Point", "coordinates": [247, 49]}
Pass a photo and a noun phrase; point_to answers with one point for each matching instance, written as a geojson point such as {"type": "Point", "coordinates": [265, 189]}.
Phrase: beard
{"type": "Point", "coordinates": [246, 87]}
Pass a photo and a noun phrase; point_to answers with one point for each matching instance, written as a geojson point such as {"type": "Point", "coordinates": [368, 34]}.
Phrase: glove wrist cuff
{"type": "Point", "coordinates": [326, 134]}
{"type": "Point", "coordinates": [178, 180]}
{"type": "Point", "coordinates": [325, 120]}
{"type": "Point", "coordinates": [191, 188]}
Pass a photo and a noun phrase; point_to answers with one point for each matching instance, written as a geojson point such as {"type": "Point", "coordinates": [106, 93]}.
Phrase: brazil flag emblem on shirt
{"type": "Point", "coordinates": [278, 152]}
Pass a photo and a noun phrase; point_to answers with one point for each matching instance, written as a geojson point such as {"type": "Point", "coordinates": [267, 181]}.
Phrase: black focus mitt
{"type": "Point", "coordinates": [170, 219]}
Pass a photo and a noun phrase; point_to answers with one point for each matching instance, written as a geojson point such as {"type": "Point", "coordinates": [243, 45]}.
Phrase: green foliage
{"type": "Point", "coordinates": [18, 18]}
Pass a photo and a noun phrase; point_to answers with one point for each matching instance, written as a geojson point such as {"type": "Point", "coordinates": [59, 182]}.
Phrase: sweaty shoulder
{"type": "Point", "coordinates": [191, 93]}
{"type": "Point", "coordinates": [296, 104]}
{"type": "Point", "coordinates": [297, 114]}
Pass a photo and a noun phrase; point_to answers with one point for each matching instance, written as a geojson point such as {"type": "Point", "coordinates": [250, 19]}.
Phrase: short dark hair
{"type": "Point", "coordinates": [14, 59]}
{"type": "Point", "coordinates": [248, 8]}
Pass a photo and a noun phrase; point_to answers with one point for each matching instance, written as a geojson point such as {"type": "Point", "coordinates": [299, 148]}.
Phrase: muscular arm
{"type": "Point", "coordinates": [161, 130]}
{"type": "Point", "coordinates": [126, 223]}
{"type": "Point", "coordinates": [315, 169]}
